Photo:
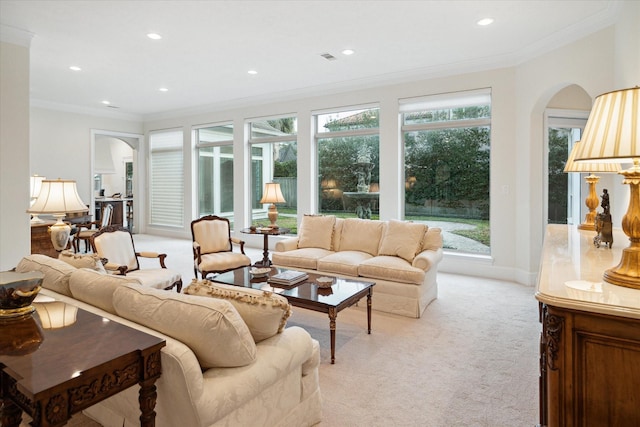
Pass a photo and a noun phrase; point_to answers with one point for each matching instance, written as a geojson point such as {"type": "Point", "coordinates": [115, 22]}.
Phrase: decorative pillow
{"type": "Point", "coordinates": [361, 235]}
{"type": "Point", "coordinates": [92, 261]}
{"type": "Point", "coordinates": [56, 272]}
{"type": "Point", "coordinates": [316, 231]}
{"type": "Point", "coordinates": [211, 327]}
{"type": "Point", "coordinates": [403, 239]}
{"type": "Point", "coordinates": [432, 239]}
{"type": "Point", "coordinates": [264, 312]}
{"type": "Point", "coordinates": [96, 288]}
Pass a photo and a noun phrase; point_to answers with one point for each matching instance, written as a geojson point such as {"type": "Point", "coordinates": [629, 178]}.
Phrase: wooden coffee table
{"type": "Point", "coordinates": [344, 293]}
{"type": "Point", "coordinates": [53, 373]}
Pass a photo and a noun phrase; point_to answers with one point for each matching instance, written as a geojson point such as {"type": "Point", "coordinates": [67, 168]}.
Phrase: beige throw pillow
{"type": "Point", "coordinates": [433, 239]}
{"type": "Point", "coordinates": [96, 288]}
{"type": "Point", "coordinates": [316, 231]}
{"type": "Point", "coordinates": [92, 261]}
{"type": "Point", "coordinates": [361, 235]}
{"type": "Point", "coordinates": [264, 312]}
{"type": "Point", "coordinates": [56, 272]}
{"type": "Point", "coordinates": [210, 327]}
{"type": "Point", "coordinates": [402, 239]}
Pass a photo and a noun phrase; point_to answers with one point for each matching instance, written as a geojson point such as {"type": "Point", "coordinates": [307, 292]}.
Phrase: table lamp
{"type": "Point", "coordinates": [272, 194]}
{"type": "Point", "coordinates": [58, 197]}
{"type": "Point", "coordinates": [612, 134]}
{"type": "Point", "coordinates": [592, 200]}
{"type": "Point", "coordinates": [35, 184]}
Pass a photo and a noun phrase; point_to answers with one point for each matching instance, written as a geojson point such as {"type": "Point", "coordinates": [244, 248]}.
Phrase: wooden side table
{"type": "Point", "coordinates": [266, 232]}
{"type": "Point", "coordinates": [68, 369]}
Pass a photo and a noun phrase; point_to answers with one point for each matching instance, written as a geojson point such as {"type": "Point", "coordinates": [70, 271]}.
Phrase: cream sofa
{"type": "Point", "coordinates": [400, 257]}
{"type": "Point", "coordinates": [229, 360]}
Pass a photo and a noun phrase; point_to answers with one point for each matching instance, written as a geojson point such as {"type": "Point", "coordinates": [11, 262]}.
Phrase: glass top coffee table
{"type": "Point", "coordinates": [342, 294]}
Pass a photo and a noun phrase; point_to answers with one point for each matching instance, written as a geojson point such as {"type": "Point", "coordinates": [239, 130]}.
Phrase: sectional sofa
{"type": "Point", "coordinates": [400, 257]}
{"type": "Point", "coordinates": [229, 358]}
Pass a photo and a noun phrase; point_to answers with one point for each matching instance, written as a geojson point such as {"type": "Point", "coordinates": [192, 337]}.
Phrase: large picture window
{"type": "Point", "coordinates": [214, 146]}
{"type": "Point", "coordinates": [447, 168]}
{"type": "Point", "coordinates": [166, 167]}
{"type": "Point", "coordinates": [348, 162]}
{"type": "Point", "coordinates": [274, 158]}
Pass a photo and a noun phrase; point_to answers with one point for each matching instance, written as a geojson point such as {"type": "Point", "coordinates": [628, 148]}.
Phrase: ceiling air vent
{"type": "Point", "coordinates": [328, 56]}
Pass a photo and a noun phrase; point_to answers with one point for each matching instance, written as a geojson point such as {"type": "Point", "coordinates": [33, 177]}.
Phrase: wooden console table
{"type": "Point", "coordinates": [53, 373]}
{"type": "Point", "coordinates": [590, 341]}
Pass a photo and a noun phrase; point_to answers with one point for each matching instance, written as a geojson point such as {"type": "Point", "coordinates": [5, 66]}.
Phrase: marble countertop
{"type": "Point", "coordinates": [571, 273]}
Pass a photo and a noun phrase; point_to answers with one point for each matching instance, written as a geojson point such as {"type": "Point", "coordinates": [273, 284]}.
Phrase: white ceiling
{"type": "Point", "coordinates": [208, 46]}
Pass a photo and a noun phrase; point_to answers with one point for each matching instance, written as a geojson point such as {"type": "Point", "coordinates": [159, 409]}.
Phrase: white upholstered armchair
{"type": "Point", "coordinates": [213, 246]}
{"type": "Point", "coordinates": [115, 243]}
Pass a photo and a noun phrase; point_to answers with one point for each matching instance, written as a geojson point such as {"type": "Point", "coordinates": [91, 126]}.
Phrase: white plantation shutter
{"type": "Point", "coordinates": [167, 178]}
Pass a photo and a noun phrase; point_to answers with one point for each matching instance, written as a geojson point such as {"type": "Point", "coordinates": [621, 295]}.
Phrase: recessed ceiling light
{"type": "Point", "coordinates": [75, 68]}
{"type": "Point", "coordinates": [252, 72]}
{"type": "Point", "coordinates": [154, 36]}
{"type": "Point", "coordinates": [485, 21]}
{"type": "Point", "coordinates": [348, 52]}
{"type": "Point", "coordinates": [105, 102]}
{"type": "Point", "coordinates": [163, 89]}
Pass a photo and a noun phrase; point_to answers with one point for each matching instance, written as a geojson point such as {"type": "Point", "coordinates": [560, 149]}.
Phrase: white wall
{"type": "Point", "coordinates": [61, 144]}
{"type": "Point", "coordinates": [598, 63]}
{"type": "Point", "coordinates": [15, 240]}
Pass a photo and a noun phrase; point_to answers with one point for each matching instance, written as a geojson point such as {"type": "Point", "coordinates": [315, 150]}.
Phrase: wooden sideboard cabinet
{"type": "Point", "coordinates": [590, 340]}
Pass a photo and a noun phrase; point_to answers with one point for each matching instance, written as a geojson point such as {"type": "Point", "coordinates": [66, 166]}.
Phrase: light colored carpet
{"type": "Point", "coordinates": [471, 360]}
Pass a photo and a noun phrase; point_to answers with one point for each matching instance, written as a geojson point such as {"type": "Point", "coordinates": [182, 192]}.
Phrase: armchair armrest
{"type": "Point", "coordinates": [161, 257]}
{"type": "Point", "coordinates": [112, 268]}
{"type": "Point", "coordinates": [238, 242]}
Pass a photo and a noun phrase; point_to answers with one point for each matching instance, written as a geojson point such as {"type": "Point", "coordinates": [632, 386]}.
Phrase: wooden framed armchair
{"type": "Point", "coordinates": [86, 230]}
{"type": "Point", "coordinates": [213, 246]}
{"type": "Point", "coordinates": [115, 243]}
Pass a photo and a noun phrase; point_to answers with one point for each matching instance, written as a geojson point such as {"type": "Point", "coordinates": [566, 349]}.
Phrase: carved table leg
{"type": "Point", "coordinates": [147, 400]}
{"type": "Point", "coordinates": [10, 414]}
{"type": "Point", "coordinates": [333, 313]}
{"type": "Point", "coordinates": [369, 312]}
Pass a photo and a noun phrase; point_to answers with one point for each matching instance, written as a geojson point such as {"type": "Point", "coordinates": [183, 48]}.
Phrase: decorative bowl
{"type": "Point", "coordinates": [17, 292]}
{"type": "Point", "coordinates": [325, 282]}
{"type": "Point", "coordinates": [260, 272]}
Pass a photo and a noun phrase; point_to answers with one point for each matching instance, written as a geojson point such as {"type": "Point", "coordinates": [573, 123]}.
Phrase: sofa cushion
{"type": "Point", "coordinates": [403, 239]}
{"type": "Point", "coordinates": [211, 327]}
{"type": "Point", "coordinates": [92, 261]}
{"type": "Point", "coordinates": [391, 268]}
{"type": "Point", "coordinates": [56, 272]}
{"type": "Point", "coordinates": [432, 239]}
{"type": "Point", "coordinates": [361, 235]}
{"type": "Point", "coordinates": [316, 231]}
{"type": "Point", "coordinates": [300, 258]}
{"type": "Point", "coordinates": [264, 312]}
{"type": "Point", "coordinates": [343, 262]}
{"type": "Point", "coordinates": [96, 288]}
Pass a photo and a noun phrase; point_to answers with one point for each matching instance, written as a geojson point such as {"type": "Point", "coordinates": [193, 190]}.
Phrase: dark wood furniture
{"type": "Point", "coordinates": [266, 232]}
{"type": "Point", "coordinates": [590, 341]}
{"type": "Point", "coordinates": [117, 216]}
{"type": "Point", "coordinates": [41, 239]}
{"type": "Point", "coordinates": [344, 293]}
{"type": "Point", "coordinates": [74, 367]}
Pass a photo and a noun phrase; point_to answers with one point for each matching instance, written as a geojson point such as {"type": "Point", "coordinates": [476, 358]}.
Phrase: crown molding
{"type": "Point", "coordinates": [87, 111]}
{"type": "Point", "coordinates": [16, 36]}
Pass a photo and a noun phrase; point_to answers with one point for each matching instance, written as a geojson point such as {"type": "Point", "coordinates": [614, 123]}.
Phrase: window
{"type": "Point", "coordinates": [446, 154]}
{"type": "Point", "coordinates": [274, 158]}
{"type": "Point", "coordinates": [348, 162]}
{"type": "Point", "coordinates": [166, 168]}
{"type": "Point", "coordinates": [214, 146]}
